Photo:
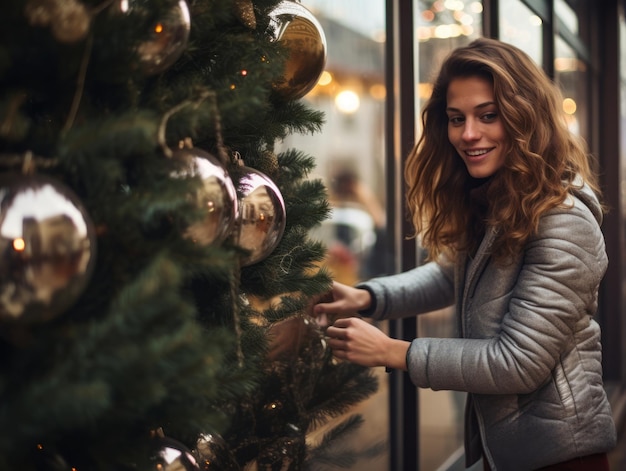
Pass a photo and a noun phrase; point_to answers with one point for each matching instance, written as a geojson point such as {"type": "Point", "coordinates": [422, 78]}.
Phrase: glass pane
{"type": "Point", "coordinates": [572, 76]}
{"type": "Point", "coordinates": [567, 15]}
{"type": "Point", "coordinates": [441, 26]}
{"type": "Point", "coordinates": [349, 153]}
{"type": "Point", "coordinates": [522, 28]}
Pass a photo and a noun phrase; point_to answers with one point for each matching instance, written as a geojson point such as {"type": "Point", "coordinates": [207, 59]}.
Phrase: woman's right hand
{"type": "Point", "coordinates": [341, 301]}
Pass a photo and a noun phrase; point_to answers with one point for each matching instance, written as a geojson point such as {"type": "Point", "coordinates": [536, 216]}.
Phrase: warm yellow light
{"type": "Point", "coordinates": [18, 244]}
{"type": "Point", "coordinates": [476, 7]}
{"type": "Point", "coordinates": [424, 90]}
{"type": "Point", "coordinates": [244, 72]}
{"type": "Point", "coordinates": [158, 28]}
{"type": "Point", "coordinates": [448, 31]}
{"type": "Point", "coordinates": [468, 30]}
{"type": "Point", "coordinates": [428, 15]}
{"type": "Point", "coordinates": [569, 106]}
{"type": "Point", "coordinates": [565, 64]}
{"type": "Point", "coordinates": [325, 79]}
{"type": "Point", "coordinates": [378, 91]}
{"type": "Point", "coordinates": [454, 5]}
{"type": "Point", "coordinates": [424, 33]}
{"type": "Point", "coordinates": [347, 101]}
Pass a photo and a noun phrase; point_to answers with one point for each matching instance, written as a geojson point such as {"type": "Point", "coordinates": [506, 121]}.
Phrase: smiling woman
{"type": "Point", "coordinates": [493, 181]}
{"type": "Point", "coordinates": [474, 127]}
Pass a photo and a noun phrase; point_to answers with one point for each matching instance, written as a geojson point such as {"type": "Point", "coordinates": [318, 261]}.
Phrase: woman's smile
{"type": "Point", "coordinates": [474, 126]}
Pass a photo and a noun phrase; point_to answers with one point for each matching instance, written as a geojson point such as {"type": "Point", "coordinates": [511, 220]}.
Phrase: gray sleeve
{"type": "Point", "coordinates": [555, 296]}
{"type": "Point", "coordinates": [422, 289]}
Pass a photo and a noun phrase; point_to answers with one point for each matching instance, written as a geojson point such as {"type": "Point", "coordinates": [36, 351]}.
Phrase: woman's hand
{"type": "Point", "coordinates": [341, 301]}
{"type": "Point", "coordinates": [356, 340]}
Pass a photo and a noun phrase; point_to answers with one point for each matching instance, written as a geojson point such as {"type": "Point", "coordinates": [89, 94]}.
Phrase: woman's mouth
{"type": "Point", "coordinates": [476, 152]}
{"type": "Point", "coordinates": [476, 155]}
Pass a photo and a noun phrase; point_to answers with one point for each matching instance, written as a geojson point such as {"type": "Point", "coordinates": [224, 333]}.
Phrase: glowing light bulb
{"type": "Point", "coordinates": [569, 106]}
{"type": "Point", "coordinates": [347, 101]}
{"type": "Point", "coordinates": [18, 244]}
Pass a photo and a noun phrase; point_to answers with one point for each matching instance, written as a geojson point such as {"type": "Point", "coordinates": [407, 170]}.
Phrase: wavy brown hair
{"type": "Point", "coordinates": [544, 160]}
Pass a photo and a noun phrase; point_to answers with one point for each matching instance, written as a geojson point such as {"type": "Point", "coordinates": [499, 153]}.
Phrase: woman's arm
{"type": "Point", "coordinates": [360, 342]}
{"type": "Point", "coordinates": [423, 289]}
{"type": "Point", "coordinates": [550, 307]}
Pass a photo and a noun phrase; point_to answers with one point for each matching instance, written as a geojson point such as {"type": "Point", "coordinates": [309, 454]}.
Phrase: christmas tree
{"type": "Point", "coordinates": [156, 263]}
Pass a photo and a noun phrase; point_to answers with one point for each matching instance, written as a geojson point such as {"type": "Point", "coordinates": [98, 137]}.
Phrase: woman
{"type": "Point", "coordinates": [504, 199]}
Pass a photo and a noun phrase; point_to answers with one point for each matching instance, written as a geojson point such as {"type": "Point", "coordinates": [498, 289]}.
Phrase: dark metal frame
{"type": "Point", "coordinates": [400, 131]}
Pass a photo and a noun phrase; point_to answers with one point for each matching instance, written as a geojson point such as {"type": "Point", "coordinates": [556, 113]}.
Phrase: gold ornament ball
{"type": "Point", "coordinates": [47, 245]}
{"type": "Point", "coordinates": [217, 196]}
{"type": "Point", "coordinates": [262, 216]}
{"type": "Point", "coordinates": [298, 30]}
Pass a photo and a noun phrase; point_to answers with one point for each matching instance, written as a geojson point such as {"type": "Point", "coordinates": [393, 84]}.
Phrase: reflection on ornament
{"type": "Point", "coordinates": [47, 245]}
{"type": "Point", "coordinates": [302, 35]}
{"type": "Point", "coordinates": [294, 338]}
{"type": "Point", "coordinates": [262, 216]}
{"type": "Point", "coordinates": [213, 454]}
{"type": "Point", "coordinates": [172, 455]}
{"type": "Point", "coordinates": [167, 40]}
{"type": "Point", "coordinates": [217, 196]}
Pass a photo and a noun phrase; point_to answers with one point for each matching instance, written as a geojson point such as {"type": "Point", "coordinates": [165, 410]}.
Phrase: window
{"type": "Point", "coordinates": [571, 74]}
{"type": "Point", "coordinates": [350, 152]}
{"type": "Point", "coordinates": [521, 27]}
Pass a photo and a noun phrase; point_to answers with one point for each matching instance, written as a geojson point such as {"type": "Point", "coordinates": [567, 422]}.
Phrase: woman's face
{"type": "Point", "coordinates": [474, 125]}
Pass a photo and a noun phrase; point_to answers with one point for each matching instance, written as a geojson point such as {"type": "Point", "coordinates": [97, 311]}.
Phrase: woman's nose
{"type": "Point", "coordinates": [471, 131]}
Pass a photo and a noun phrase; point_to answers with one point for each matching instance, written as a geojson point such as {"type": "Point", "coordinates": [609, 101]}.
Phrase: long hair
{"type": "Point", "coordinates": [544, 160]}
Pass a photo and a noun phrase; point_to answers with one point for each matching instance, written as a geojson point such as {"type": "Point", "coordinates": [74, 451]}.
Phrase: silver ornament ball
{"type": "Point", "coordinates": [171, 455]}
{"type": "Point", "coordinates": [167, 39]}
{"type": "Point", "coordinates": [47, 245]}
{"type": "Point", "coordinates": [262, 216]}
{"type": "Point", "coordinates": [217, 196]}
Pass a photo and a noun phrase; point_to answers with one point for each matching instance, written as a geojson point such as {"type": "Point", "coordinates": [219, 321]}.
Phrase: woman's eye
{"type": "Point", "coordinates": [455, 119]}
{"type": "Point", "coordinates": [490, 116]}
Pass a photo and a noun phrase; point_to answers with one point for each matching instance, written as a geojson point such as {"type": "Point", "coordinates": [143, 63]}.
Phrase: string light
{"type": "Point", "coordinates": [569, 106]}
{"type": "Point", "coordinates": [19, 245]}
